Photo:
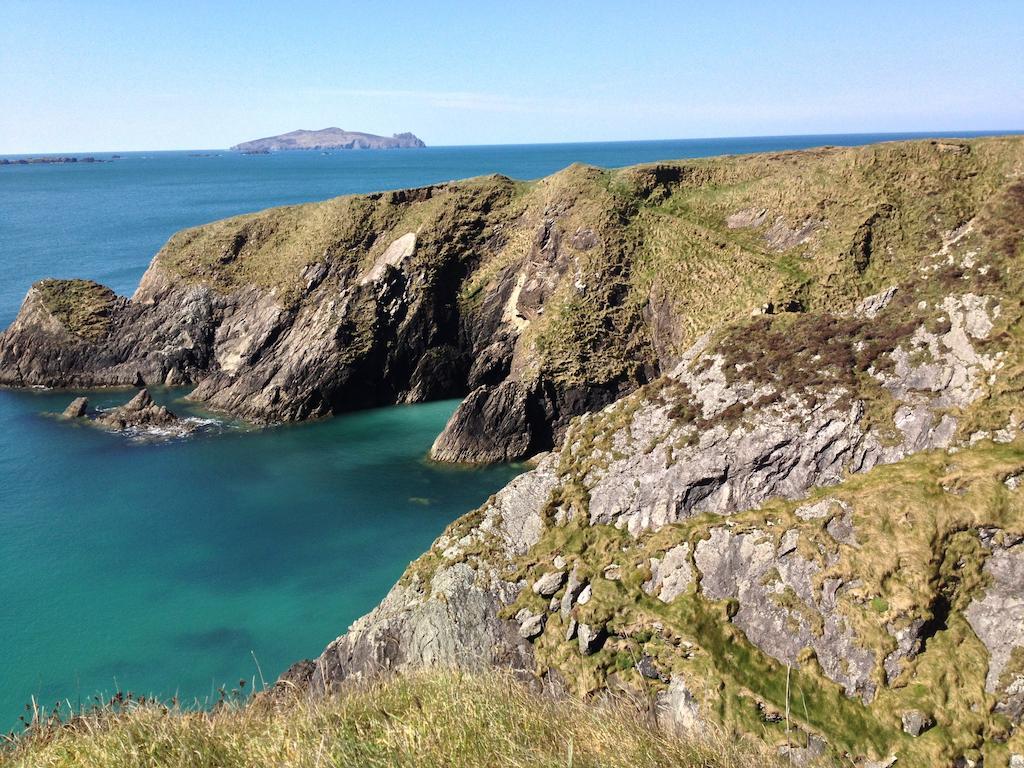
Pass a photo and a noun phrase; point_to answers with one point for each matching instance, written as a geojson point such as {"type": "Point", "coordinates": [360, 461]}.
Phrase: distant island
{"type": "Point", "coordinates": [50, 160]}
{"type": "Point", "coordinates": [328, 138]}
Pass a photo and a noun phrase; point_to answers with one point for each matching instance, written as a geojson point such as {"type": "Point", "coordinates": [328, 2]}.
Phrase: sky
{"type": "Point", "coordinates": [100, 75]}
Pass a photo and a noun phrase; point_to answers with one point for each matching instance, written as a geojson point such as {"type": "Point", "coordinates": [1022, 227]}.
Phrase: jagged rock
{"type": "Point", "coordinates": [141, 413]}
{"type": "Point", "coordinates": [997, 618]}
{"type": "Point", "coordinates": [585, 595]}
{"type": "Point", "coordinates": [570, 629]}
{"type": "Point", "coordinates": [573, 588]}
{"type": "Point", "coordinates": [1016, 760]}
{"type": "Point", "coordinates": [451, 618]}
{"type": "Point", "coordinates": [649, 669]}
{"type": "Point", "coordinates": [77, 408]}
{"type": "Point", "coordinates": [908, 644]}
{"type": "Point", "coordinates": [549, 583]}
{"type": "Point", "coordinates": [809, 755]}
{"type": "Point", "coordinates": [500, 412]}
{"type": "Point", "coordinates": [530, 624]}
{"type": "Point", "coordinates": [451, 621]}
{"type": "Point", "coordinates": [916, 722]}
{"type": "Point", "coordinates": [780, 609]}
{"type": "Point", "coordinates": [671, 575]}
{"type": "Point", "coordinates": [590, 638]}
{"type": "Point", "coordinates": [295, 678]}
{"type": "Point", "coordinates": [677, 709]}
{"type": "Point", "coordinates": [872, 305]}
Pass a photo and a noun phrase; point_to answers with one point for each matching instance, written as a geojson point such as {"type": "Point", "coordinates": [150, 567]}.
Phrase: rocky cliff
{"type": "Point", "coordinates": [539, 301]}
{"type": "Point", "coordinates": [809, 528]}
{"type": "Point", "coordinates": [773, 404]}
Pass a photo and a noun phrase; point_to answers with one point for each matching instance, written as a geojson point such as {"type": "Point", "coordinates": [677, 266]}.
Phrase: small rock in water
{"type": "Point", "coordinates": [77, 409]}
{"type": "Point", "coordinates": [142, 412]}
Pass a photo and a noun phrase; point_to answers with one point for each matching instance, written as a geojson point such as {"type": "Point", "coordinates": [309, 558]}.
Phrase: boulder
{"type": "Point", "coordinates": [530, 624]}
{"type": "Point", "coordinates": [916, 722]}
{"type": "Point", "coordinates": [590, 638]}
{"type": "Point", "coordinates": [549, 583]}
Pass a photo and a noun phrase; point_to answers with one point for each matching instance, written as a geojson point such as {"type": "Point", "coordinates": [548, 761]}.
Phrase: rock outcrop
{"type": "Point", "coordinates": [141, 412]}
{"type": "Point", "coordinates": [77, 408]}
{"type": "Point", "coordinates": [537, 301]}
{"type": "Point", "coordinates": [815, 514]}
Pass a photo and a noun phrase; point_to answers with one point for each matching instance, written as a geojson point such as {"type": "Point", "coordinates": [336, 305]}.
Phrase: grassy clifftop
{"type": "Point", "coordinates": [633, 264]}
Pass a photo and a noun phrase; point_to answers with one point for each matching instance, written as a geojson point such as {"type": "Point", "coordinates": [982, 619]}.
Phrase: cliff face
{"type": "Point", "coordinates": [782, 395]}
{"type": "Point", "coordinates": [814, 513]}
{"type": "Point", "coordinates": [542, 301]}
{"type": "Point", "coordinates": [329, 138]}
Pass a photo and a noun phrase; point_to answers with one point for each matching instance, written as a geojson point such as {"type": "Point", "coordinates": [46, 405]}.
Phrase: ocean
{"type": "Point", "coordinates": [173, 568]}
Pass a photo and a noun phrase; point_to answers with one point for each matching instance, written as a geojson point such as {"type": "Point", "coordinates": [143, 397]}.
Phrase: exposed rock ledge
{"type": "Point", "coordinates": [667, 549]}
{"type": "Point", "coordinates": [537, 302]}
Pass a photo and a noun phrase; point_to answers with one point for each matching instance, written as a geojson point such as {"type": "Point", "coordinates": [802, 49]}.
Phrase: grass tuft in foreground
{"type": "Point", "coordinates": [425, 719]}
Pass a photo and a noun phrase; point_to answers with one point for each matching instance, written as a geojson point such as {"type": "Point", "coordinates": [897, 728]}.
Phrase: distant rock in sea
{"type": "Point", "coordinates": [328, 138]}
{"type": "Point", "coordinates": [50, 160]}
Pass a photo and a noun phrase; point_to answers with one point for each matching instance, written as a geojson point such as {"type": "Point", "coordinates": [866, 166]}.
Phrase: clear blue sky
{"type": "Point", "coordinates": [103, 75]}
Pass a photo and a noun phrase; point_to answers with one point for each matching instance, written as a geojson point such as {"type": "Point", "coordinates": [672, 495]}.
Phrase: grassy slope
{"type": "Point", "coordinates": [909, 516]}
{"type": "Point", "coordinates": [437, 719]}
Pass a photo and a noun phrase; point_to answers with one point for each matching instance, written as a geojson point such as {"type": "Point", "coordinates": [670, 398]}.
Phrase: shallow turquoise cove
{"type": "Point", "coordinates": [162, 567]}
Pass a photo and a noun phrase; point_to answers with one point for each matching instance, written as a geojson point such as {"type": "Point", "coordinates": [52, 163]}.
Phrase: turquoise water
{"type": "Point", "coordinates": [162, 568]}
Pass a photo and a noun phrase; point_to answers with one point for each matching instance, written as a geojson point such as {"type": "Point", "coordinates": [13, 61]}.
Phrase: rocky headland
{"type": "Point", "coordinates": [328, 138]}
{"type": "Point", "coordinates": [772, 403]}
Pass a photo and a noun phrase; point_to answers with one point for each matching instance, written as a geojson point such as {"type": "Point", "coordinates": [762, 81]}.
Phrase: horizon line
{"type": "Point", "coordinates": [921, 134]}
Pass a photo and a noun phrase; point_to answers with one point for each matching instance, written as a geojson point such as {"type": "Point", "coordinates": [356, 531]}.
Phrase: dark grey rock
{"type": "Point", "coordinates": [649, 669]}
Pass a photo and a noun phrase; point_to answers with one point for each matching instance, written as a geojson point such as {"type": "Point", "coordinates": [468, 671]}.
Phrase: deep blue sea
{"type": "Point", "coordinates": [173, 568]}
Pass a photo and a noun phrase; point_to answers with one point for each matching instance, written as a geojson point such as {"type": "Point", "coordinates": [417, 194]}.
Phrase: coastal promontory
{"type": "Point", "coordinates": [772, 407]}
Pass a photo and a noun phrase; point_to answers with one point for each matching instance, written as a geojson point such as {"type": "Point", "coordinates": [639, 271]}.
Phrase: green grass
{"type": "Point", "coordinates": [915, 521]}
{"type": "Point", "coordinates": [81, 306]}
{"type": "Point", "coordinates": [434, 718]}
